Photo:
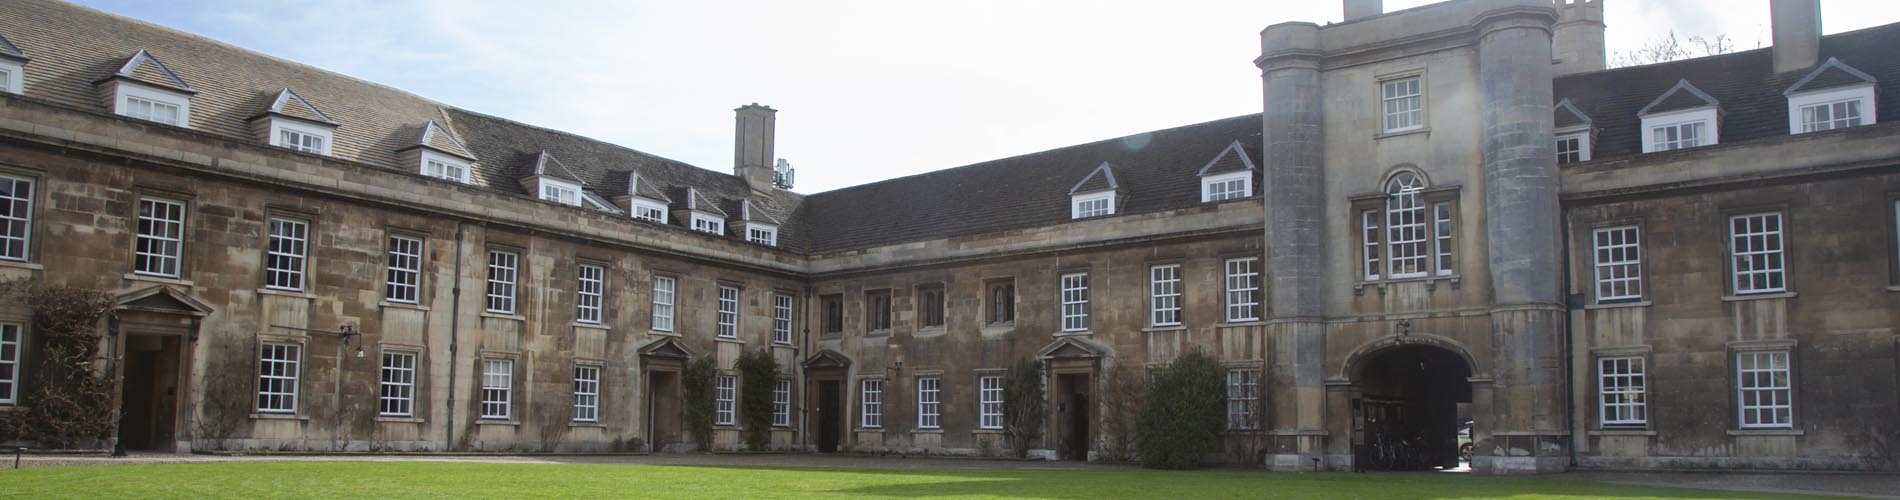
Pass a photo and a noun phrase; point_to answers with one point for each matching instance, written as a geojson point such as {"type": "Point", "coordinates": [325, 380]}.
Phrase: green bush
{"type": "Point", "coordinates": [1182, 414]}
{"type": "Point", "coordinates": [758, 374]}
{"type": "Point", "coordinates": [1024, 407]}
{"type": "Point", "coordinates": [698, 382]}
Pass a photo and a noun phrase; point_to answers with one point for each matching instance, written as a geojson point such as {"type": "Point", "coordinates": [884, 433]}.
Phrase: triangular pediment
{"type": "Point", "coordinates": [9, 50]}
{"type": "Point", "coordinates": [546, 165]}
{"type": "Point", "coordinates": [145, 68]}
{"type": "Point", "coordinates": [666, 348]}
{"type": "Point", "coordinates": [827, 359]}
{"type": "Point", "coordinates": [1566, 115]}
{"type": "Point", "coordinates": [1683, 96]}
{"type": "Point", "coordinates": [437, 138]}
{"type": "Point", "coordinates": [164, 300]}
{"type": "Point", "coordinates": [1100, 179]}
{"type": "Point", "coordinates": [637, 186]}
{"type": "Point", "coordinates": [1072, 347]}
{"type": "Point", "coordinates": [1231, 159]}
{"type": "Point", "coordinates": [288, 103]}
{"type": "Point", "coordinates": [1830, 74]}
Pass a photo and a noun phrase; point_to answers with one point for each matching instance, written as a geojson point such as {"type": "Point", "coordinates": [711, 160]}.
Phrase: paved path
{"type": "Point", "coordinates": [1885, 486]}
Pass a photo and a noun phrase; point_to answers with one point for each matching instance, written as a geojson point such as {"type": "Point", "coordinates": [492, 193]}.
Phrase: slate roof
{"type": "Point", "coordinates": [144, 67]}
{"type": "Point", "coordinates": [1744, 83]}
{"type": "Point", "coordinates": [8, 49]}
{"type": "Point", "coordinates": [1233, 159]}
{"type": "Point", "coordinates": [1831, 73]}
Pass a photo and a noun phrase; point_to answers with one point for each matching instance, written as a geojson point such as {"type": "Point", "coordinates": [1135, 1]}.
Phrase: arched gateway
{"type": "Point", "coordinates": [1410, 399]}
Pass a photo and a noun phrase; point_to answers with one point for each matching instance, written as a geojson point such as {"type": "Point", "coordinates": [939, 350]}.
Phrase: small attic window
{"type": "Point", "coordinates": [1683, 117]}
{"type": "Point", "coordinates": [649, 211]}
{"type": "Point", "coordinates": [308, 139]}
{"type": "Point", "coordinates": [1573, 147]}
{"type": "Point", "coordinates": [12, 76]}
{"type": "Point", "coordinates": [444, 167]}
{"type": "Point", "coordinates": [1831, 109]}
{"type": "Point", "coordinates": [560, 192]}
{"type": "Point", "coordinates": [1092, 204]}
{"type": "Point", "coordinates": [761, 234]}
{"type": "Point", "coordinates": [708, 223]}
{"type": "Point", "coordinates": [1228, 186]}
{"type": "Point", "coordinates": [153, 105]}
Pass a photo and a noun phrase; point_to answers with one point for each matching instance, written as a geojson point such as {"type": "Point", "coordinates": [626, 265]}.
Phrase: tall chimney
{"type": "Point", "coordinates": [1578, 37]}
{"type": "Point", "coordinates": [1356, 9]}
{"type": "Point", "coordinates": [752, 149]}
{"type": "Point", "coordinates": [1797, 25]}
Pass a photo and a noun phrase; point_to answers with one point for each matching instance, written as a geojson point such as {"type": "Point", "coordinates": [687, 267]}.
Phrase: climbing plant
{"type": "Point", "coordinates": [758, 375]}
{"type": "Point", "coordinates": [1024, 407]}
{"type": "Point", "coordinates": [698, 382]}
{"type": "Point", "coordinates": [70, 399]}
{"type": "Point", "coordinates": [1183, 414]}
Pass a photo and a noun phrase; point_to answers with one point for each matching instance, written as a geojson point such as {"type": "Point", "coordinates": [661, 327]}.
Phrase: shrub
{"type": "Point", "coordinates": [1182, 414]}
{"type": "Point", "coordinates": [1024, 407]}
{"type": "Point", "coordinates": [758, 375]}
{"type": "Point", "coordinates": [698, 387]}
{"type": "Point", "coordinates": [70, 401]}
{"type": "Point", "coordinates": [1121, 408]}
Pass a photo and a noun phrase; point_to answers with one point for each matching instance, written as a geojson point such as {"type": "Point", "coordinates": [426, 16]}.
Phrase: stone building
{"type": "Point", "coordinates": [1447, 213]}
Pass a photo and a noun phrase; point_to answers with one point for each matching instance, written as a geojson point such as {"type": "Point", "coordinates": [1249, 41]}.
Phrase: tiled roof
{"type": "Point", "coordinates": [290, 104]}
{"type": "Point", "coordinates": [144, 67]}
{"type": "Point", "coordinates": [1744, 83]}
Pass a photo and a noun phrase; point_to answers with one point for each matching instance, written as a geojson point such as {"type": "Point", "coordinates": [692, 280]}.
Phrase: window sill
{"type": "Point", "coordinates": [728, 340]}
{"type": "Point", "coordinates": [1403, 132]}
{"type": "Point", "coordinates": [278, 416]}
{"type": "Point", "coordinates": [392, 419]}
{"type": "Point", "coordinates": [31, 266]}
{"type": "Point", "coordinates": [1622, 432]}
{"type": "Point", "coordinates": [869, 429]}
{"type": "Point", "coordinates": [1238, 324]}
{"type": "Point", "coordinates": [287, 293]}
{"type": "Point", "coordinates": [878, 333]}
{"type": "Point", "coordinates": [931, 430]}
{"type": "Point", "coordinates": [1894, 288]}
{"type": "Point", "coordinates": [587, 424]}
{"type": "Point", "coordinates": [590, 326]}
{"type": "Point", "coordinates": [506, 316]}
{"type": "Point", "coordinates": [1077, 333]}
{"type": "Point", "coordinates": [160, 279]}
{"type": "Point", "coordinates": [987, 431]}
{"type": "Point", "coordinates": [402, 305]}
{"type": "Point", "coordinates": [664, 333]}
{"type": "Point", "coordinates": [1767, 432]}
{"type": "Point", "coordinates": [1758, 296]}
{"type": "Point", "coordinates": [495, 421]}
{"type": "Point", "coordinates": [932, 330]}
{"type": "Point", "coordinates": [1165, 328]}
{"type": "Point", "coordinates": [1430, 280]}
{"type": "Point", "coordinates": [1618, 305]}
{"type": "Point", "coordinates": [776, 343]}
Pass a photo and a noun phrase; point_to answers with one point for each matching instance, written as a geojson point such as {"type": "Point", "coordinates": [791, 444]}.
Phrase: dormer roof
{"type": "Point", "coordinates": [1100, 179]}
{"type": "Point", "coordinates": [546, 165]}
{"type": "Point", "coordinates": [748, 214]}
{"type": "Point", "coordinates": [637, 186]}
{"type": "Point", "coordinates": [1233, 158]}
{"type": "Point", "coordinates": [11, 51]}
{"type": "Point", "coordinates": [288, 104]}
{"type": "Point", "coordinates": [698, 202]}
{"type": "Point", "coordinates": [437, 138]}
{"type": "Point", "coordinates": [1683, 96]}
{"type": "Point", "coordinates": [144, 68]}
{"type": "Point", "coordinates": [1566, 115]}
{"type": "Point", "coordinates": [1830, 74]}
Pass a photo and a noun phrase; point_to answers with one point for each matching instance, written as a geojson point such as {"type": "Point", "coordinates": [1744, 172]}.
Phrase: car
{"type": "Point", "coordinates": [1464, 442]}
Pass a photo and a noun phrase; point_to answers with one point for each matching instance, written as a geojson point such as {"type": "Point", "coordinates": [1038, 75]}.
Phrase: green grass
{"type": "Point", "coordinates": [490, 480]}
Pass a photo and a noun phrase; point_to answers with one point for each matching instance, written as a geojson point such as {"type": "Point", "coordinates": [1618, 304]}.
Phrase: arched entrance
{"type": "Point", "coordinates": [1410, 403]}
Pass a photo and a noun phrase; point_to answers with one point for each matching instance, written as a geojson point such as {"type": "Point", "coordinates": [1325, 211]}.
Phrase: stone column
{"type": "Point", "coordinates": [1292, 127]}
{"type": "Point", "coordinates": [1525, 429]}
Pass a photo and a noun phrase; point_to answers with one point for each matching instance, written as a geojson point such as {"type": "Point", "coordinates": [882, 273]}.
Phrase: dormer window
{"type": "Point", "coordinates": [1683, 117]}
{"type": "Point", "coordinates": [1692, 132]}
{"type": "Point", "coordinates": [153, 108]}
{"type": "Point", "coordinates": [649, 211]}
{"type": "Point", "coordinates": [1832, 96]}
{"type": "Point", "coordinates": [1095, 195]}
{"type": "Point", "coordinates": [145, 89]}
{"type": "Point", "coordinates": [708, 223]}
{"type": "Point", "coordinates": [442, 167]}
{"type": "Point", "coordinates": [440, 155]}
{"type": "Point", "coordinates": [1093, 205]}
{"type": "Point", "coordinates": [12, 67]}
{"type": "Point", "coordinates": [1227, 186]}
{"type": "Point", "coordinates": [1573, 147]}
{"type": "Point", "coordinates": [560, 192]}
{"type": "Point", "coordinates": [761, 234]}
{"type": "Point", "coordinates": [291, 122]}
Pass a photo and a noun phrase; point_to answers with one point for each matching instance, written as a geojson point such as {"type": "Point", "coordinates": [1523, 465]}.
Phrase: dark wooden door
{"type": "Point", "coordinates": [1078, 437]}
{"type": "Point", "coordinates": [829, 416]}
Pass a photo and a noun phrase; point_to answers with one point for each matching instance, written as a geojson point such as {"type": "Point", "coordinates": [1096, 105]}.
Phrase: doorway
{"type": "Point", "coordinates": [1072, 393]}
{"type": "Point", "coordinates": [663, 410]}
{"type": "Point", "coordinates": [148, 404]}
{"type": "Point", "coordinates": [1411, 405]}
{"type": "Point", "coordinates": [830, 415]}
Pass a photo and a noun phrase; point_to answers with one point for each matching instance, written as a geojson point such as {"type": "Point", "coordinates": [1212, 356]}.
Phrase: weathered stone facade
{"type": "Point", "coordinates": [1410, 270]}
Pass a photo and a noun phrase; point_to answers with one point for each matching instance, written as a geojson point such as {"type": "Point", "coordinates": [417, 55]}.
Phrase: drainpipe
{"type": "Point", "coordinates": [1570, 325]}
{"type": "Point", "coordinates": [455, 321]}
{"type": "Point", "coordinates": [804, 411]}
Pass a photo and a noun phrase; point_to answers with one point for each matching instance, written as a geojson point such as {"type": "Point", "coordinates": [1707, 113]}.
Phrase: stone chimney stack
{"type": "Point", "coordinates": [1578, 44]}
{"type": "Point", "coordinates": [752, 154]}
{"type": "Point", "coordinates": [1797, 25]}
{"type": "Point", "coordinates": [1356, 9]}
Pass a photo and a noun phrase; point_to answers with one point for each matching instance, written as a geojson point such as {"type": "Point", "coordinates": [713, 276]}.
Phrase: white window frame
{"type": "Point", "coordinates": [1164, 295]}
{"type": "Point", "coordinates": [1407, 240]}
{"type": "Point", "coordinates": [504, 275]}
{"type": "Point", "coordinates": [1243, 398]}
{"type": "Point", "coordinates": [782, 402]}
{"type": "Point", "coordinates": [1582, 138]}
{"type": "Point", "coordinates": [286, 255]}
{"type": "Point", "coordinates": [1372, 227]}
{"type": "Point", "coordinates": [443, 166]}
{"type": "Point", "coordinates": [559, 191]}
{"type": "Point", "coordinates": [989, 395]}
{"type": "Point", "coordinates": [586, 393]}
{"type": "Point", "coordinates": [1402, 104]}
{"type": "Point", "coordinates": [1708, 135]}
{"type": "Point", "coordinates": [708, 224]}
{"type": "Point", "coordinates": [128, 95]}
{"type": "Point", "coordinates": [279, 368]}
{"type": "Point", "coordinates": [871, 403]}
{"type": "Point", "coordinates": [1074, 298]}
{"type": "Point", "coordinates": [286, 133]}
{"type": "Point", "coordinates": [930, 403]}
{"type": "Point", "coordinates": [725, 393]}
{"type": "Point", "coordinates": [589, 288]}
{"type": "Point", "coordinates": [1243, 289]}
{"type": "Point", "coordinates": [1618, 263]}
{"type": "Point", "coordinates": [498, 384]}
{"type": "Point", "coordinates": [1763, 400]}
{"type": "Point", "coordinates": [1766, 257]}
{"type": "Point", "coordinates": [168, 260]}
{"type": "Point", "coordinates": [782, 305]}
{"type": "Point", "coordinates": [1799, 102]}
{"type": "Point", "coordinates": [1622, 391]}
{"type": "Point", "coordinates": [12, 77]}
{"type": "Point", "coordinates": [665, 294]}
{"type": "Point", "coordinates": [1228, 186]}
{"type": "Point", "coordinates": [12, 348]}
{"type": "Point", "coordinates": [1083, 206]}
{"type": "Point", "coordinates": [762, 234]}
{"type": "Point", "coordinates": [1443, 223]}
{"type": "Point", "coordinates": [728, 312]}
{"type": "Point", "coordinates": [398, 384]}
{"type": "Point", "coordinates": [650, 211]}
{"type": "Point", "coordinates": [16, 218]}
{"type": "Point", "coordinates": [403, 279]}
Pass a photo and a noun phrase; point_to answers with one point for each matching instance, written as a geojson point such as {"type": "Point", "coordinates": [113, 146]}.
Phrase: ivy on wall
{"type": "Point", "coordinates": [698, 382]}
{"type": "Point", "coordinates": [1024, 407]}
{"type": "Point", "coordinates": [70, 399]}
{"type": "Point", "coordinates": [1183, 413]}
{"type": "Point", "coordinates": [758, 375]}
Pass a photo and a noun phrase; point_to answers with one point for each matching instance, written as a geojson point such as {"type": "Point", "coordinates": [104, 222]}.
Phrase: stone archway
{"type": "Point", "coordinates": [1410, 399]}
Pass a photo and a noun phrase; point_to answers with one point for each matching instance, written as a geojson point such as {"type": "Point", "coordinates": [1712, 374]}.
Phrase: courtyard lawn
{"type": "Point", "coordinates": [497, 480]}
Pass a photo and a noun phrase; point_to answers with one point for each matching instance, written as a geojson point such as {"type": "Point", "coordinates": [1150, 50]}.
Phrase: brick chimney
{"type": "Point", "coordinates": [752, 153]}
{"type": "Point", "coordinates": [1578, 37]}
{"type": "Point", "coordinates": [1356, 9]}
{"type": "Point", "coordinates": [1797, 25]}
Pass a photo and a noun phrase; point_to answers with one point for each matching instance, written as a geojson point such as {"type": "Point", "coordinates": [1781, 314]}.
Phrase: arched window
{"type": "Point", "coordinates": [1406, 235]}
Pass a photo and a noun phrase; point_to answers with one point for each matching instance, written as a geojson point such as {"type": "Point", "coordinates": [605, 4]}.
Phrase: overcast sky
{"type": "Point", "coordinates": [866, 90]}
